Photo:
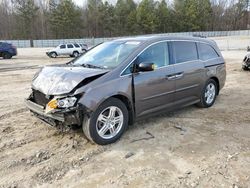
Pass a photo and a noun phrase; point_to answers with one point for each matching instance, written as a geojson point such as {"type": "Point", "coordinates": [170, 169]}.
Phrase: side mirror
{"type": "Point", "coordinates": [146, 66]}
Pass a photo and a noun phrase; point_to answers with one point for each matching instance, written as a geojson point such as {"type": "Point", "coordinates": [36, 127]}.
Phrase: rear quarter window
{"type": "Point", "coordinates": [185, 51]}
{"type": "Point", "coordinates": [207, 52]}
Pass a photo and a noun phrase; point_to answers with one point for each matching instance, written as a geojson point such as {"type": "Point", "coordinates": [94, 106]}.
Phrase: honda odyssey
{"type": "Point", "coordinates": [119, 81]}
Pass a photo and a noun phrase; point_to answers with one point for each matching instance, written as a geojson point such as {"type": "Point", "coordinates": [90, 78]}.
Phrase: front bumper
{"type": "Point", "coordinates": [63, 117]}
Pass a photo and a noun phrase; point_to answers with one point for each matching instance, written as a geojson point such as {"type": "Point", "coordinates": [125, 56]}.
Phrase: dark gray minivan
{"type": "Point", "coordinates": [119, 81]}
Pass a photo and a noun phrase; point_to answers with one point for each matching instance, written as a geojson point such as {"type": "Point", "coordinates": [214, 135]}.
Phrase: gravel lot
{"type": "Point", "coordinates": [191, 147]}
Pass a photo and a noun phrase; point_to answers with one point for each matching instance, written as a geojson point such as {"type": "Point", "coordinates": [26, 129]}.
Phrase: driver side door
{"type": "Point", "coordinates": [154, 90]}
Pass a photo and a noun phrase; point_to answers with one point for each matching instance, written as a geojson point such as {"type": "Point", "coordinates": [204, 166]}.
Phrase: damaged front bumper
{"type": "Point", "coordinates": [73, 116]}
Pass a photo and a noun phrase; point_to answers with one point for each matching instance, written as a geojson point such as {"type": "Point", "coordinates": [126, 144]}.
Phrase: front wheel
{"type": "Point", "coordinates": [209, 94]}
{"type": "Point", "coordinates": [7, 55]}
{"type": "Point", "coordinates": [53, 54]}
{"type": "Point", "coordinates": [107, 124]}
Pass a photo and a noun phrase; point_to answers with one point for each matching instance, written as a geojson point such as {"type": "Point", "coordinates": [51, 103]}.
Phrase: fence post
{"type": "Point", "coordinates": [31, 43]}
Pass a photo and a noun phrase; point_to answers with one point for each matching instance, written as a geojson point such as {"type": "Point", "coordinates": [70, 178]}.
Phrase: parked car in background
{"type": "Point", "coordinates": [117, 82]}
{"type": "Point", "coordinates": [70, 49]}
{"type": "Point", "coordinates": [246, 62]}
{"type": "Point", "coordinates": [84, 47]}
{"type": "Point", "coordinates": [7, 50]}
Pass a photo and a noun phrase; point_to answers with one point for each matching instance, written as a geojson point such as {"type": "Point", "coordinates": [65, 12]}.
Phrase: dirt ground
{"type": "Point", "coordinates": [191, 147]}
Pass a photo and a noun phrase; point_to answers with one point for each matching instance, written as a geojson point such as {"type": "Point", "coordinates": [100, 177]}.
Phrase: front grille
{"type": "Point", "coordinates": [40, 98]}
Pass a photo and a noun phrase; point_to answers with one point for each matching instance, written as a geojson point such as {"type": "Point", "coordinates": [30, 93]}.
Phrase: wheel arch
{"type": "Point", "coordinates": [54, 52]}
{"type": "Point", "coordinates": [217, 82]}
{"type": "Point", "coordinates": [129, 106]}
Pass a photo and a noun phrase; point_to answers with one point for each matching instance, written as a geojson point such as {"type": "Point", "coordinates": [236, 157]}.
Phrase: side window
{"type": "Point", "coordinates": [63, 46]}
{"type": "Point", "coordinates": [70, 46]}
{"type": "Point", "coordinates": [207, 52]}
{"type": "Point", "coordinates": [157, 54]}
{"type": "Point", "coordinates": [185, 51]}
{"type": "Point", "coordinates": [76, 45]}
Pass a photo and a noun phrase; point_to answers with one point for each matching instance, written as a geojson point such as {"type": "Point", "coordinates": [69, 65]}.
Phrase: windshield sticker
{"type": "Point", "coordinates": [133, 42]}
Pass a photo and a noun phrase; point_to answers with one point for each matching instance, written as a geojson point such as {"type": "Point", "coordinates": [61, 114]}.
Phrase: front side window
{"type": "Point", "coordinates": [109, 54]}
{"type": "Point", "coordinates": [157, 54]}
{"type": "Point", "coordinates": [63, 46]}
{"type": "Point", "coordinates": [207, 52]}
{"type": "Point", "coordinates": [185, 51]}
{"type": "Point", "coordinates": [70, 46]}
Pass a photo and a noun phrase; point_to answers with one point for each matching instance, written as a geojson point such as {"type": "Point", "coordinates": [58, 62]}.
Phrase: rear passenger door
{"type": "Point", "coordinates": [189, 72]}
{"type": "Point", "coordinates": [70, 49]}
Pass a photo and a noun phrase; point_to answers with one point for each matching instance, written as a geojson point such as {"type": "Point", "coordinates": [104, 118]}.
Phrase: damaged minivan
{"type": "Point", "coordinates": [119, 81]}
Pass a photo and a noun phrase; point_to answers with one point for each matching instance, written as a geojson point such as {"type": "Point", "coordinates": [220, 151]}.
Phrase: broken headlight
{"type": "Point", "coordinates": [66, 102]}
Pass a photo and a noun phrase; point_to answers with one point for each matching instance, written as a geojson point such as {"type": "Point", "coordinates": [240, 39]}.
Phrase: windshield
{"type": "Point", "coordinates": [108, 55]}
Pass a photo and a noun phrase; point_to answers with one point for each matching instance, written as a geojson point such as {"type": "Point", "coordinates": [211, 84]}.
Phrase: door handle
{"type": "Point", "coordinates": [179, 75]}
{"type": "Point", "coordinates": [171, 77]}
{"type": "Point", "coordinates": [174, 76]}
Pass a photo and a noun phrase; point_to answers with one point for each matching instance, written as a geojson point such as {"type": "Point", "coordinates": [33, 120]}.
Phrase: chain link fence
{"type": "Point", "coordinates": [226, 40]}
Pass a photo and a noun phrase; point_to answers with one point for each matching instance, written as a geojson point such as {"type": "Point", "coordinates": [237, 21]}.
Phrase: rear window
{"type": "Point", "coordinates": [76, 45]}
{"type": "Point", "coordinates": [185, 51]}
{"type": "Point", "coordinates": [70, 46]}
{"type": "Point", "coordinates": [207, 52]}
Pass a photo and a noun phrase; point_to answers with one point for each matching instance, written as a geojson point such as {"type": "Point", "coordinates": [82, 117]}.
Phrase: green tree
{"type": "Point", "coordinates": [26, 16]}
{"type": "Point", "coordinates": [146, 16]}
{"type": "Point", "coordinates": [125, 16]}
{"type": "Point", "coordinates": [163, 17]}
{"type": "Point", "coordinates": [65, 19]}
{"type": "Point", "coordinates": [106, 22]}
{"type": "Point", "coordinates": [192, 15]}
{"type": "Point", "coordinates": [94, 17]}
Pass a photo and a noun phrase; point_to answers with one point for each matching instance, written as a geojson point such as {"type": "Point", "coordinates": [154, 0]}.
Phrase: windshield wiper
{"type": "Point", "coordinates": [92, 66]}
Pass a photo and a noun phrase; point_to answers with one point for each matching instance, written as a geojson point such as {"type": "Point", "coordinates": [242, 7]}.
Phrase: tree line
{"type": "Point", "coordinates": [53, 19]}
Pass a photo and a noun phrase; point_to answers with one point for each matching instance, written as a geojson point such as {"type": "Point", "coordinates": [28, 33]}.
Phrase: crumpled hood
{"type": "Point", "coordinates": [58, 80]}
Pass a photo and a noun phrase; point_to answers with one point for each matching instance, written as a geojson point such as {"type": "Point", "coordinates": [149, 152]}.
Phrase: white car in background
{"type": "Point", "coordinates": [71, 49]}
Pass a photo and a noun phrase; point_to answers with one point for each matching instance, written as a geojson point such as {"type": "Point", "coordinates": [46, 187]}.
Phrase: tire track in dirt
{"type": "Point", "coordinates": [9, 114]}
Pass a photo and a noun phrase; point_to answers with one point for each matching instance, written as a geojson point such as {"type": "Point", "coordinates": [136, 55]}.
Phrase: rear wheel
{"type": "Point", "coordinates": [209, 94]}
{"type": "Point", "coordinates": [7, 55]}
{"type": "Point", "coordinates": [75, 54]}
{"type": "Point", "coordinates": [53, 54]}
{"type": "Point", "coordinates": [107, 124]}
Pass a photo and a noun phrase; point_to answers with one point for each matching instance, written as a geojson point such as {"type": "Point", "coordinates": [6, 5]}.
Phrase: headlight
{"type": "Point", "coordinates": [66, 102]}
{"type": "Point", "coordinates": [62, 103]}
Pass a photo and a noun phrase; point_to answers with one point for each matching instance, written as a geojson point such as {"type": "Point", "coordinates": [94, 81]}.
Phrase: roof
{"type": "Point", "coordinates": [155, 38]}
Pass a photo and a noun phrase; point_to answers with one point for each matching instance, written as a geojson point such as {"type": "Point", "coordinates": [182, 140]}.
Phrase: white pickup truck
{"type": "Point", "coordinates": [71, 49]}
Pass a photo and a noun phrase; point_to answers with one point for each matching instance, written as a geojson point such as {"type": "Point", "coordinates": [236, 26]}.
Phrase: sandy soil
{"type": "Point", "coordinates": [191, 147]}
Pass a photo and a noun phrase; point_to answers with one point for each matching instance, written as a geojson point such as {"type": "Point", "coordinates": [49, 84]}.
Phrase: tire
{"type": "Point", "coordinates": [205, 101]}
{"type": "Point", "coordinates": [93, 127]}
{"type": "Point", "coordinates": [75, 54]}
{"type": "Point", "coordinates": [7, 55]}
{"type": "Point", "coordinates": [53, 54]}
{"type": "Point", "coordinates": [245, 68]}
